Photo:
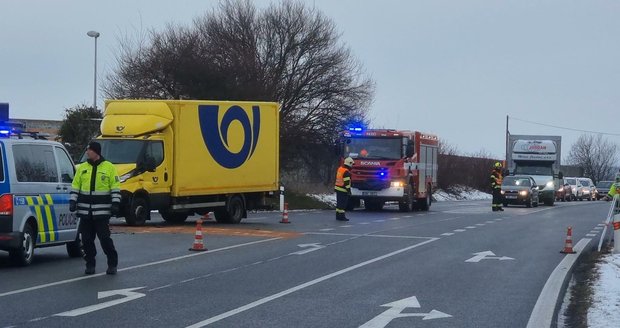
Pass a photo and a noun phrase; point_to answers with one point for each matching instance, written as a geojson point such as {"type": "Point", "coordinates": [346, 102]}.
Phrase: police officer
{"type": "Point", "coordinates": [343, 188]}
{"type": "Point", "coordinates": [496, 185]}
{"type": "Point", "coordinates": [614, 189]}
{"type": "Point", "coordinates": [95, 194]}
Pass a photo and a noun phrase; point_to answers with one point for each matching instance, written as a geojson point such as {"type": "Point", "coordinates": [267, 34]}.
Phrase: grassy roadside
{"type": "Point", "coordinates": [585, 274]}
{"type": "Point", "coordinates": [298, 201]}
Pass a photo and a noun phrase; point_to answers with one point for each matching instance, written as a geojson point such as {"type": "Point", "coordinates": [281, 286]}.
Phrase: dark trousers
{"type": "Point", "coordinates": [497, 199]}
{"type": "Point", "coordinates": [89, 228]}
{"type": "Point", "coordinates": [342, 198]}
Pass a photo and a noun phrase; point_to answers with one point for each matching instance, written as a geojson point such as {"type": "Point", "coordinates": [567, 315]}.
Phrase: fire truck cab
{"type": "Point", "coordinates": [391, 165]}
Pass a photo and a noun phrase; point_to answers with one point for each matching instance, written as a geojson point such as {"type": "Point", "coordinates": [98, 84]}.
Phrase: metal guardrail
{"type": "Point", "coordinates": [614, 208]}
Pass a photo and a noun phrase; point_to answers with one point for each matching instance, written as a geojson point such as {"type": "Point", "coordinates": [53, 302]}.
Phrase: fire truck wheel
{"type": "Point", "coordinates": [406, 205]}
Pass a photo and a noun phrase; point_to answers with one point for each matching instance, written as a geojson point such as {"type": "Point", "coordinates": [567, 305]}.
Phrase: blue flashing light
{"type": "Point", "coordinates": [5, 131]}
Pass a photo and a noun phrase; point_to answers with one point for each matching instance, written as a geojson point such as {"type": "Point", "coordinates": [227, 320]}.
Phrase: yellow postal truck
{"type": "Point", "coordinates": [184, 157]}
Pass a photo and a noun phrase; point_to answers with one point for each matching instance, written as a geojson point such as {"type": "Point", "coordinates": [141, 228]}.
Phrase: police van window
{"type": "Point", "coordinates": [67, 170]}
{"type": "Point", "coordinates": [35, 163]}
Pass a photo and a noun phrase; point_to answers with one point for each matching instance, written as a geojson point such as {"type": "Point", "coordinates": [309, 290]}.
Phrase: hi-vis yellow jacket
{"type": "Point", "coordinates": [95, 187]}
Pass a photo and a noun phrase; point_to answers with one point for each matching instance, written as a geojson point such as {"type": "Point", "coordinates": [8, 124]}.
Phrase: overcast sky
{"type": "Point", "coordinates": [453, 68]}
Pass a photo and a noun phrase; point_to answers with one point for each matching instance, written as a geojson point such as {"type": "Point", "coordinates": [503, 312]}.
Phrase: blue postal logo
{"type": "Point", "coordinates": [215, 134]}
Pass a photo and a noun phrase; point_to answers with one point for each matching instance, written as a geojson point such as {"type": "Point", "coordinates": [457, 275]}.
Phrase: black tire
{"type": "Point", "coordinates": [233, 212]}
{"type": "Point", "coordinates": [23, 255]}
{"type": "Point", "coordinates": [406, 205]}
{"type": "Point", "coordinates": [529, 202]}
{"type": "Point", "coordinates": [75, 249]}
{"type": "Point", "coordinates": [425, 204]}
{"type": "Point", "coordinates": [173, 217]}
{"type": "Point", "coordinates": [139, 212]}
{"type": "Point", "coordinates": [549, 202]}
{"type": "Point", "coordinates": [352, 204]}
{"type": "Point", "coordinates": [373, 205]}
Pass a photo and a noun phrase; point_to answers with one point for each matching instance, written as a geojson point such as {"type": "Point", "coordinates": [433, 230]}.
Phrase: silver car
{"type": "Point", "coordinates": [520, 190]}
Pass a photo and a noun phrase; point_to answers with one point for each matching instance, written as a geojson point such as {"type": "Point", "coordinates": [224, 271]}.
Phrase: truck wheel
{"type": "Point", "coordinates": [549, 202]}
{"type": "Point", "coordinates": [139, 212]}
{"type": "Point", "coordinates": [233, 212]}
{"type": "Point", "coordinates": [173, 217]}
{"type": "Point", "coordinates": [23, 255]}
{"type": "Point", "coordinates": [406, 205]}
{"type": "Point", "coordinates": [352, 204]}
{"type": "Point", "coordinates": [425, 204]}
{"type": "Point", "coordinates": [74, 248]}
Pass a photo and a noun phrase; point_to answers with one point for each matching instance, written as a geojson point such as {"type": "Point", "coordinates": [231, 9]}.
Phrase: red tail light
{"type": "Point", "coordinates": [6, 204]}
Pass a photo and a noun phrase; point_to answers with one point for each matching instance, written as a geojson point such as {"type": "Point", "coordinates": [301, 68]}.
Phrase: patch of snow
{"type": "Point", "coordinates": [605, 307]}
{"type": "Point", "coordinates": [461, 193]}
{"type": "Point", "coordinates": [325, 198]}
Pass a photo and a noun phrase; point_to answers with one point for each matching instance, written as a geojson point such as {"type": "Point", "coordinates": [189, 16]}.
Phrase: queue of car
{"type": "Point", "coordinates": [523, 190]}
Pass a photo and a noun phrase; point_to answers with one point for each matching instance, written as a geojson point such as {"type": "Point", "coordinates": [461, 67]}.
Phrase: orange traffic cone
{"type": "Point", "coordinates": [568, 245]}
{"type": "Point", "coordinates": [198, 244]}
{"type": "Point", "coordinates": [285, 214]}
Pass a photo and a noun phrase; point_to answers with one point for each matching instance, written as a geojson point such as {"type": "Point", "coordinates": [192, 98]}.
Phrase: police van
{"type": "Point", "coordinates": [35, 181]}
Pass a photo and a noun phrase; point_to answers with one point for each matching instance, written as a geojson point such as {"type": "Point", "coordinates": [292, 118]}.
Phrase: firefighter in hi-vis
{"type": "Point", "coordinates": [496, 185]}
{"type": "Point", "coordinates": [343, 188]}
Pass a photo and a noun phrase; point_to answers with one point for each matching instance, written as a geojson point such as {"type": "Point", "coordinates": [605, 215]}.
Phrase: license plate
{"type": "Point", "coordinates": [511, 197]}
{"type": "Point", "coordinates": [369, 193]}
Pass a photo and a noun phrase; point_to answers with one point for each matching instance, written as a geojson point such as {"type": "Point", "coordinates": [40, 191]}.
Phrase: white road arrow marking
{"type": "Point", "coordinates": [487, 255]}
{"type": "Point", "coordinates": [395, 309]}
{"type": "Point", "coordinates": [129, 294]}
{"type": "Point", "coordinates": [314, 247]}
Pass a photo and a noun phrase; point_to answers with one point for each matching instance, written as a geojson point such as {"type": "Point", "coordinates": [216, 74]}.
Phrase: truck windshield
{"type": "Point", "coordinates": [120, 151]}
{"type": "Point", "coordinates": [514, 181]}
{"type": "Point", "coordinates": [375, 148]}
{"type": "Point", "coordinates": [533, 169]}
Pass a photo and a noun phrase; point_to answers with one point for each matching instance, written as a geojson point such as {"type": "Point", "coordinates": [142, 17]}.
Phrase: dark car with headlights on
{"type": "Point", "coordinates": [520, 190]}
{"type": "Point", "coordinates": [603, 188]}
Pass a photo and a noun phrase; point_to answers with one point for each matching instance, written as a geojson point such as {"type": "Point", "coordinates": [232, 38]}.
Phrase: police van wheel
{"type": "Point", "coordinates": [23, 255]}
{"type": "Point", "coordinates": [139, 212]}
{"type": "Point", "coordinates": [74, 248]}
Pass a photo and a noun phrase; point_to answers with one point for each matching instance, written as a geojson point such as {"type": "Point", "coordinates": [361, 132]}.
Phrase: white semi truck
{"type": "Point", "coordinates": [538, 157]}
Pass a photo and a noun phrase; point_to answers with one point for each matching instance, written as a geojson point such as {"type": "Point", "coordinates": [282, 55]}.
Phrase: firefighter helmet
{"type": "Point", "coordinates": [348, 161]}
{"type": "Point", "coordinates": [497, 165]}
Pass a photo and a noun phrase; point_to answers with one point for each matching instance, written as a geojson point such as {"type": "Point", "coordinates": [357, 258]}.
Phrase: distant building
{"type": "Point", "coordinates": [48, 128]}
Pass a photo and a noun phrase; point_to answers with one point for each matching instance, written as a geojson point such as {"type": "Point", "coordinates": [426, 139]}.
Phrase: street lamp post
{"type": "Point", "coordinates": [94, 34]}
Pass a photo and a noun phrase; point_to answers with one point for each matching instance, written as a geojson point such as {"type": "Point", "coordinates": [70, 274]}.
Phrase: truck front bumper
{"type": "Point", "coordinates": [392, 193]}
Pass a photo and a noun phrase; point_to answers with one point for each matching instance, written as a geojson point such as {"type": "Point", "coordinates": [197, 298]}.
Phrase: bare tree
{"type": "Point", "coordinates": [595, 155]}
{"type": "Point", "coordinates": [287, 52]}
{"type": "Point", "coordinates": [79, 126]}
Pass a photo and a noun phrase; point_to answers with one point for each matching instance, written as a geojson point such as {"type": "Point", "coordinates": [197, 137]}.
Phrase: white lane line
{"type": "Point", "coordinates": [257, 263]}
{"type": "Point", "coordinates": [598, 228]}
{"type": "Point", "coordinates": [480, 224]}
{"type": "Point", "coordinates": [447, 234]}
{"type": "Point", "coordinates": [363, 235]}
{"type": "Point", "coordinates": [594, 232]}
{"type": "Point", "coordinates": [459, 230]}
{"type": "Point", "coordinates": [378, 221]}
{"type": "Point", "coordinates": [498, 219]}
{"type": "Point", "coordinates": [490, 222]}
{"type": "Point", "coordinates": [408, 216]}
{"type": "Point", "coordinates": [394, 219]}
{"type": "Point", "coordinates": [61, 282]}
{"type": "Point", "coordinates": [542, 314]}
{"type": "Point", "coordinates": [346, 226]}
{"type": "Point", "coordinates": [158, 288]}
{"type": "Point", "coordinates": [591, 235]}
{"type": "Point", "coordinates": [302, 286]}
{"type": "Point", "coordinates": [327, 229]}
{"type": "Point", "coordinates": [470, 227]}
{"type": "Point", "coordinates": [601, 224]}
{"type": "Point", "coordinates": [364, 223]}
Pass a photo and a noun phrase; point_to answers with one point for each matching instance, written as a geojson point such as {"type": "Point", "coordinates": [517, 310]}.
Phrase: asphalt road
{"type": "Point", "coordinates": [458, 265]}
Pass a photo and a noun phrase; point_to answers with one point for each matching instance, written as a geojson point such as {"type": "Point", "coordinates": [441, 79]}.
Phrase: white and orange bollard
{"type": "Point", "coordinates": [285, 214]}
{"type": "Point", "coordinates": [568, 245]}
{"type": "Point", "coordinates": [616, 225]}
{"type": "Point", "coordinates": [198, 245]}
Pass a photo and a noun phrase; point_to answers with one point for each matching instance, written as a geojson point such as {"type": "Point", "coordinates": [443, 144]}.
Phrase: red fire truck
{"type": "Point", "coordinates": [391, 165]}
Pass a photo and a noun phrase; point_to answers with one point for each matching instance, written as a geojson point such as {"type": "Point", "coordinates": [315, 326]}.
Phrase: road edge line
{"type": "Point", "coordinates": [548, 302]}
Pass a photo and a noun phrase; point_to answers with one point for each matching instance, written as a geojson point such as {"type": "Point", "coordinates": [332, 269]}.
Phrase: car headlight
{"type": "Point", "coordinates": [397, 184]}
{"type": "Point", "coordinates": [561, 189]}
{"type": "Point", "coordinates": [586, 191]}
{"type": "Point", "coordinates": [502, 192]}
{"type": "Point", "coordinates": [523, 192]}
{"type": "Point", "coordinates": [549, 184]}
